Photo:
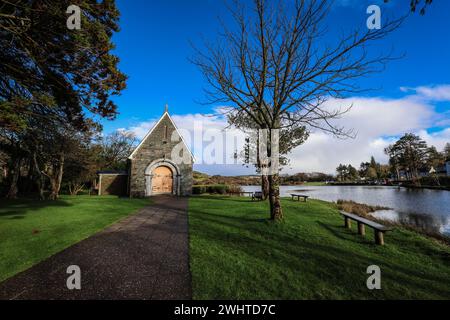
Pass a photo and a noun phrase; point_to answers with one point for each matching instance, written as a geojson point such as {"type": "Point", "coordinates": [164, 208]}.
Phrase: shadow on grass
{"type": "Point", "coordinates": [19, 208]}
{"type": "Point", "coordinates": [227, 198]}
{"type": "Point", "coordinates": [337, 258]}
{"type": "Point", "coordinates": [16, 217]}
{"type": "Point", "coordinates": [339, 232]}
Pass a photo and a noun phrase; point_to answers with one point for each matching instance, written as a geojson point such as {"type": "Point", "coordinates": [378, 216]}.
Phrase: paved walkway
{"type": "Point", "coordinates": [145, 256]}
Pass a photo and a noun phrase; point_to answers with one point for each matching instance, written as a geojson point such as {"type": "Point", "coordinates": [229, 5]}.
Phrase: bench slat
{"type": "Point", "coordinates": [365, 221]}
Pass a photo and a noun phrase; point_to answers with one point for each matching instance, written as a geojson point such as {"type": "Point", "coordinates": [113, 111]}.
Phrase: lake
{"type": "Point", "coordinates": [424, 208]}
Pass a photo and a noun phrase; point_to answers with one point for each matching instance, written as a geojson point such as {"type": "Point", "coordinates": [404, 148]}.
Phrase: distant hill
{"type": "Point", "coordinates": [201, 178]}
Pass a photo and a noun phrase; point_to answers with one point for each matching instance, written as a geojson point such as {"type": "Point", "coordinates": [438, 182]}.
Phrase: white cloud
{"type": "Point", "coordinates": [437, 93]}
{"type": "Point", "coordinates": [437, 139]}
{"type": "Point", "coordinates": [431, 93]}
{"type": "Point", "coordinates": [377, 122]}
{"type": "Point", "coordinates": [141, 129]}
{"type": "Point", "coordinates": [185, 122]}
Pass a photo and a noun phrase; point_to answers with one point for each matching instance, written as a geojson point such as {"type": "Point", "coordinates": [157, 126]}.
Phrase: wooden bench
{"type": "Point", "coordinates": [378, 228]}
{"type": "Point", "coordinates": [258, 195]}
{"type": "Point", "coordinates": [293, 195]}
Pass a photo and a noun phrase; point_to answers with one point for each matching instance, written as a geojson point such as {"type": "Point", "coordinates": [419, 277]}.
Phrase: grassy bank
{"type": "Point", "coordinates": [237, 254]}
{"type": "Point", "coordinates": [31, 230]}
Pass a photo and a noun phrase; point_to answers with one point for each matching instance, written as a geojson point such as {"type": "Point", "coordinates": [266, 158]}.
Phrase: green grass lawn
{"type": "Point", "coordinates": [236, 253]}
{"type": "Point", "coordinates": [31, 230]}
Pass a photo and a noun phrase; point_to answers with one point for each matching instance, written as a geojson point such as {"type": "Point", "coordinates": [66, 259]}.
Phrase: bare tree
{"type": "Point", "coordinates": [415, 4]}
{"type": "Point", "coordinates": [115, 149]}
{"type": "Point", "coordinates": [275, 67]}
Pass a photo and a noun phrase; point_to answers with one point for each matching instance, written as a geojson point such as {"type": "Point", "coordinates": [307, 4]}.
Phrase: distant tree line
{"type": "Point", "coordinates": [409, 158]}
{"type": "Point", "coordinates": [370, 171]}
{"type": "Point", "coordinates": [67, 162]}
{"type": "Point", "coordinates": [411, 155]}
{"type": "Point", "coordinates": [301, 177]}
{"type": "Point", "coordinates": [346, 173]}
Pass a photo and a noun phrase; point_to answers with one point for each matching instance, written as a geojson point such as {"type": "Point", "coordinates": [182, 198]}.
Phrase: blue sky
{"type": "Point", "coordinates": [154, 48]}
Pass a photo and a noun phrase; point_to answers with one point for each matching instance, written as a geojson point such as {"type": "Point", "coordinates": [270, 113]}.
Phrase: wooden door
{"type": "Point", "coordinates": [162, 181]}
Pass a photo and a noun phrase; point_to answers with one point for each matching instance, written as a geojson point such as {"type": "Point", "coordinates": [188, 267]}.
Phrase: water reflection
{"type": "Point", "coordinates": [434, 224]}
{"type": "Point", "coordinates": [423, 208]}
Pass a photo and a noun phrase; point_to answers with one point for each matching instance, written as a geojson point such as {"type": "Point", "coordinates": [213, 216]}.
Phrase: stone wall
{"type": "Point", "coordinates": [159, 146]}
{"type": "Point", "coordinates": [113, 184]}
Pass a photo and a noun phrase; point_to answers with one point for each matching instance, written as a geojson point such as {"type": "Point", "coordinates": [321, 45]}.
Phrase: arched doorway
{"type": "Point", "coordinates": [151, 174]}
{"type": "Point", "coordinates": [162, 181]}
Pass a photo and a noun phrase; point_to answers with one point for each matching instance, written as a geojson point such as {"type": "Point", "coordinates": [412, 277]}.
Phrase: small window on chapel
{"type": "Point", "coordinates": [165, 133]}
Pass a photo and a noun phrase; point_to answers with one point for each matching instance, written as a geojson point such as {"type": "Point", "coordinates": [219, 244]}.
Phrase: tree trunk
{"type": "Point", "coordinates": [276, 213]}
{"type": "Point", "coordinates": [56, 178]}
{"type": "Point", "coordinates": [272, 147]}
{"type": "Point", "coordinates": [75, 188]}
{"type": "Point", "coordinates": [265, 186]}
{"type": "Point", "coordinates": [14, 174]}
{"type": "Point", "coordinates": [263, 170]}
{"type": "Point", "coordinates": [416, 172]}
{"type": "Point", "coordinates": [39, 177]}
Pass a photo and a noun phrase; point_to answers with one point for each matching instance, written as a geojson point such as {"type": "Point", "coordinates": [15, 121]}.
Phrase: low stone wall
{"type": "Point", "coordinates": [113, 184]}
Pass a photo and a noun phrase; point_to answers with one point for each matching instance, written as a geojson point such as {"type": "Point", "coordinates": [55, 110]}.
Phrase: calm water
{"type": "Point", "coordinates": [429, 209]}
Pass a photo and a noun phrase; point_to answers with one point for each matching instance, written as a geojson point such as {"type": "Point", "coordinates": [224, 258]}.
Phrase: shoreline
{"type": "Point", "coordinates": [445, 188]}
{"type": "Point", "coordinates": [366, 211]}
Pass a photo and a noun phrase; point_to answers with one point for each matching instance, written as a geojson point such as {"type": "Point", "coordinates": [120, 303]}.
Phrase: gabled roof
{"type": "Point", "coordinates": [153, 128]}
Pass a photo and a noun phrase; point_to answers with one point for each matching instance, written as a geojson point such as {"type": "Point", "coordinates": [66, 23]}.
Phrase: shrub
{"type": "Point", "coordinates": [235, 188]}
{"type": "Point", "coordinates": [218, 188]}
{"type": "Point", "coordinates": [198, 189]}
{"type": "Point", "coordinates": [214, 189]}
